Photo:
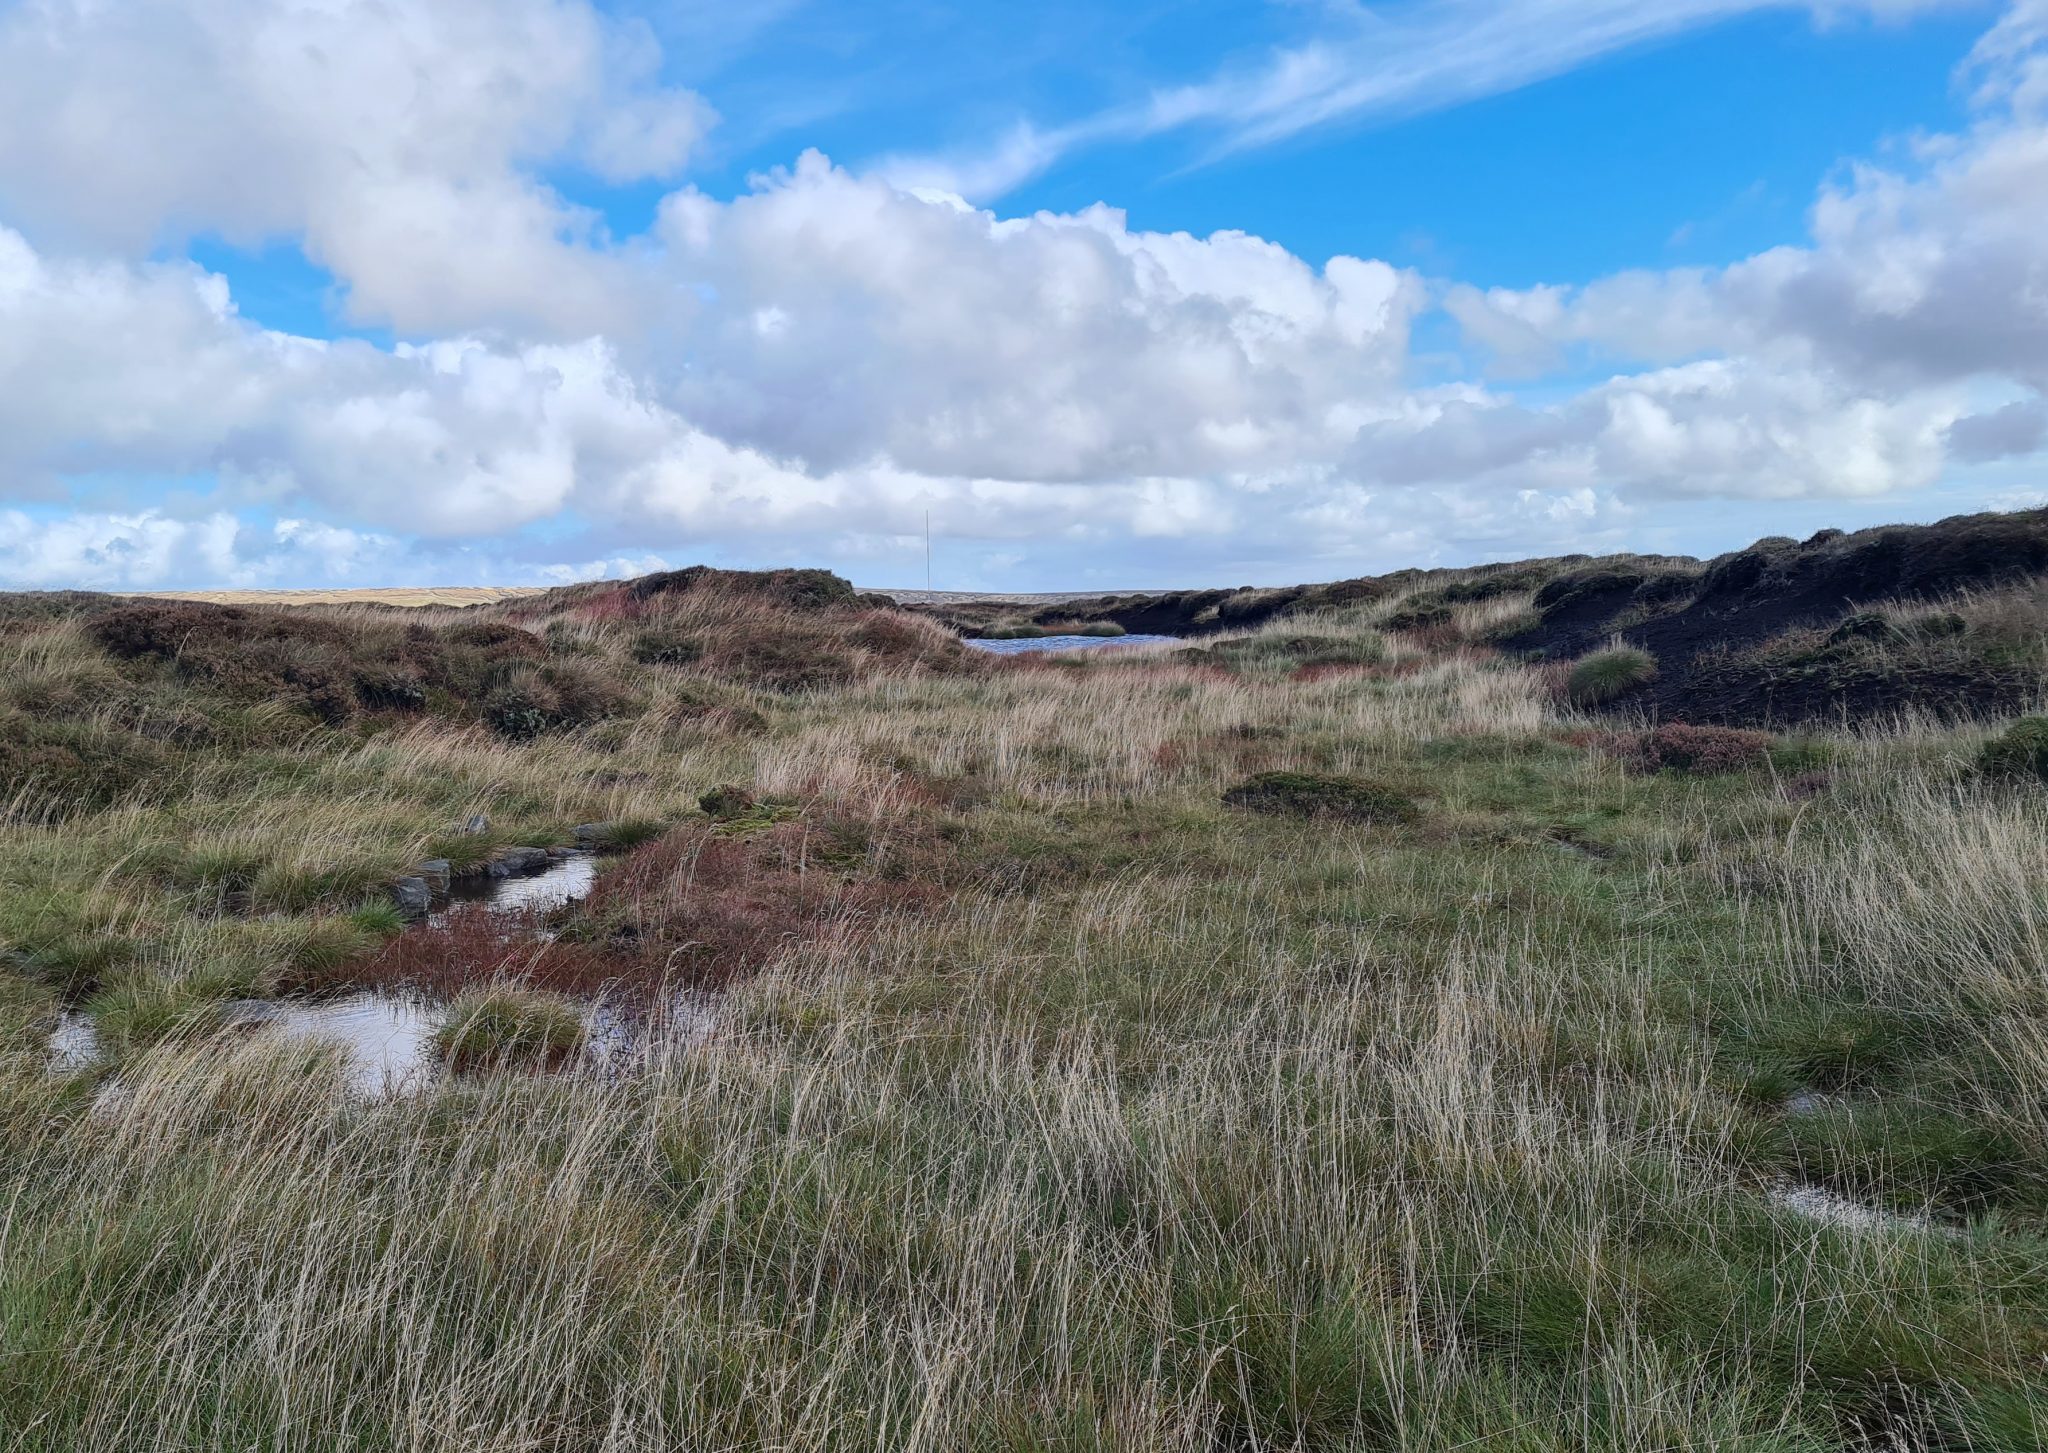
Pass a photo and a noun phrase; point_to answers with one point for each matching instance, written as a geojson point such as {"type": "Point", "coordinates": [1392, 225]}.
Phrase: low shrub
{"type": "Point", "coordinates": [1418, 616]}
{"type": "Point", "coordinates": [388, 688]}
{"type": "Point", "coordinates": [1698, 751]}
{"type": "Point", "coordinates": [1608, 675]}
{"type": "Point", "coordinates": [665, 647]}
{"type": "Point", "coordinates": [2020, 751]}
{"type": "Point", "coordinates": [518, 710]}
{"type": "Point", "coordinates": [1317, 794]}
{"type": "Point", "coordinates": [74, 766]}
{"type": "Point", "coordinates": [728, 803]}
{"type": "Point", "coordinates": [1864, 625]}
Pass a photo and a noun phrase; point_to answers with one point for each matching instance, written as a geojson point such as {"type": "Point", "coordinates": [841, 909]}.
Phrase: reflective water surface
{"type": "Point", "coordinates": [388, 1037]}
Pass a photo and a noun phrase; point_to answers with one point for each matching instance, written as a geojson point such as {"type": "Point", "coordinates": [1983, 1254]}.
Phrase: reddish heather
{"type": "Point", "coordinates": [703, 906]}
{"type": "Point", "coordinates": [699, 907]}
{"type": "Point", "coordinates": [1698, 750]}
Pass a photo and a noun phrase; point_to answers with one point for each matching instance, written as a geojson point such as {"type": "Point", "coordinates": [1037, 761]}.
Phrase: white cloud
{"type": "Point", "coordinates": [395, 137]}
{"type": "Point", "coordinates": [814, 364]}
{"type": "Point", "coordinates": [1369, 64]}
{"type": "Point", "coordinates": [1910, 279]}
{"type": "Point", "coordinates": [1050, 348]}
{"type": "Point", "coordinates": [148, 550]}
{"type": "Point", "coordinates": [1718, 429]}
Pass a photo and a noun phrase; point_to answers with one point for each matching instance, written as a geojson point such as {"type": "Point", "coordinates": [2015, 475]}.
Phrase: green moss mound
{"type": "Point", "coordinates": [1316, 794]}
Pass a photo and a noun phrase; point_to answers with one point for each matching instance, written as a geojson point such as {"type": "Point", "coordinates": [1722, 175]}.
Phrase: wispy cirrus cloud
{"type": "Point", "coordinates": [1368, 64]}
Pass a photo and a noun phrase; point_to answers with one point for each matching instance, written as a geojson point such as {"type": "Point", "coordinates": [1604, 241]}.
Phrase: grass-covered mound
{"type": "Point", "coordinates": [105, 697]}
{"type": "Point", "coordinates": [499, 1027]}
{"type": "Point", "coordinates": [1606, 676]}
{"type": "Point", "coordinates": [1322, 795]}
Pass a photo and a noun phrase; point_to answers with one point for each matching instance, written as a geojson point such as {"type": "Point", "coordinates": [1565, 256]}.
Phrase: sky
{"type": "Point", "coordinates": [1112, 293]}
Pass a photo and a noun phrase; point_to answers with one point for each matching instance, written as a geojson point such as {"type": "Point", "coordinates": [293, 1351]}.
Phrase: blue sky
{"type": "Point", "coordinates": [314, 292]}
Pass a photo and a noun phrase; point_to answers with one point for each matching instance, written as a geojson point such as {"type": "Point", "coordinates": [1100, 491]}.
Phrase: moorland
{"type": "Point", "coordinates": [1583, 1003]}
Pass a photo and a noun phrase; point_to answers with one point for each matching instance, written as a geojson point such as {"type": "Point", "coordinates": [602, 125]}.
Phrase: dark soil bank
{"type": "Point", "coordinates": [1776, 634]}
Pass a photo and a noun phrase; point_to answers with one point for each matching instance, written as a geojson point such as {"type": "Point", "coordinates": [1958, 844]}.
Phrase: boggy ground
{"type": "Point", "coordinates": [1051, 1101]}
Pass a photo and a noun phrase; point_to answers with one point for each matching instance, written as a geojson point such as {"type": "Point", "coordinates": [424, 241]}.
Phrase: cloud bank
{"type": "Point", "coordinates": [812, 365]}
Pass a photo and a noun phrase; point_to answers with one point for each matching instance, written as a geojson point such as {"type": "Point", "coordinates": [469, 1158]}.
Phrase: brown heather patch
{"type": "Point", "coordinates": [1698, 751]}
{"type": "Point", "coordinates": [708, 904]}
{"type": "Point", "coordinates": [474, 944]}
{"type": "Point", "coordinates": [705, 905]}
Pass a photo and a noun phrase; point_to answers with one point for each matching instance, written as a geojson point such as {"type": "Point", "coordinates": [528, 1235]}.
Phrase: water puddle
{"type": "Point", "coordinates": [1067, 643]}
{"type": "Point", "coordinates": [563, 881]}
{"type": "Point", "coordinates": [389, 1037]}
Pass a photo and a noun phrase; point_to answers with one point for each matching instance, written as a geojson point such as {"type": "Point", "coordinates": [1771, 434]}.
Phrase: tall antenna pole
{"type": "Point", "coordinates": [927, 552]}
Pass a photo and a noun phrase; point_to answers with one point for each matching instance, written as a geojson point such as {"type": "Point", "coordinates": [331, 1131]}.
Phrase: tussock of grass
{"type": "Point", "coordinates": [2021, 750]}
{"type": "Point", "coordinates": [1604, 676]}
{"type": "Point", "coordinates": [501, 1027]}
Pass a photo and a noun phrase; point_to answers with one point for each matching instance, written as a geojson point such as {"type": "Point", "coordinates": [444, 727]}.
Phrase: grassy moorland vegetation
{"type": "Point", "coordinates": [1334, 1036]}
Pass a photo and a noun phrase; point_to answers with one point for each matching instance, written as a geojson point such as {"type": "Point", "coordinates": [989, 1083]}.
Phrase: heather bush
{"type": "Point", "coordinates": [1319, 794]}
{"type": "Point", "coordinates": [1699, 751]}
{"type": "Point", "coordinates": [665, 646]}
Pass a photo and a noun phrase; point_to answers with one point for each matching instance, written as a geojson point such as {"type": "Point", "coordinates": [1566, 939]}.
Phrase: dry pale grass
{"type": "Point", "coordinates": [1167, 1129]}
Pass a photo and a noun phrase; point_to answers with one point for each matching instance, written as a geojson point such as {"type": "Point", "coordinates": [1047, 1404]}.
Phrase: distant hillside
{"type": "Point", "coordinates": [404, 595]}
{"type": "Point", "coordinates": [1949, 618]}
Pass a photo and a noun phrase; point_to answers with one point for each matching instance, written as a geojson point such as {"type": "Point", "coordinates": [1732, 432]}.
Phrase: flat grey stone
{"type": "Point", "coordinates": [514, 861]}
{"type": "Point", "coordinates": [412, 897]}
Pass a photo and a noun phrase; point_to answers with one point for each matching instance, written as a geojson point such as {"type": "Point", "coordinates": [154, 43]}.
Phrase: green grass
{"type": "Point", "coordinates": [1603, 676]}
{"type": "Point", "coordinates": [507, 1028]}
{"type": "Point", "coordinates": [1131, 1119]}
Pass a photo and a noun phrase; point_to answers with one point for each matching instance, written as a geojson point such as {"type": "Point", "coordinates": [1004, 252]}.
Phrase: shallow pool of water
{"type": "Point", "coordinates": [388, 1039]}
{"type": "Point", "coordinates": [1068, 643]}
{"type": "Point", "coordinates": [388, 1036]}
{"type": "Point", "coordinates": [566, 880]}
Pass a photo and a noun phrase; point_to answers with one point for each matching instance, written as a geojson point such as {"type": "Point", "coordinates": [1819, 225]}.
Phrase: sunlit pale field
{"type": "Point", "coordinates": [455, 595]}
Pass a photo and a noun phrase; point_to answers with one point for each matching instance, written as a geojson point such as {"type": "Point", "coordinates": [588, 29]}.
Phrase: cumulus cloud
{"type": "Point", "coordinates": [395, 138]}
{"type": "Point", "coordinates": [816, 363]}
{"type": "Point", "coordinates": [1911, 278]}
{"type": "Point", "coordinates": [149, 550]}
{"type": "Point", "coordinates": [1716, 429]}
{"type": "Point", "coordinates": [857, 321]}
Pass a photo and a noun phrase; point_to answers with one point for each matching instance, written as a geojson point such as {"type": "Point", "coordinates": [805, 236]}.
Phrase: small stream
{"type": "Point", "coordinates": [388, 1036]}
